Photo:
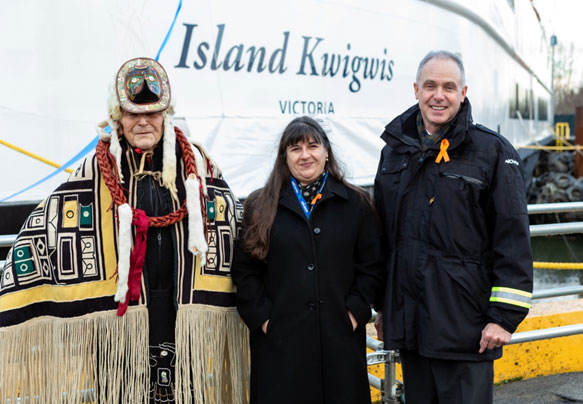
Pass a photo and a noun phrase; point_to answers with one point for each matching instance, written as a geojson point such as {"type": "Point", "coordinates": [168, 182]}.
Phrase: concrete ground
{"type": "Point", "coordinates": [553, 389]}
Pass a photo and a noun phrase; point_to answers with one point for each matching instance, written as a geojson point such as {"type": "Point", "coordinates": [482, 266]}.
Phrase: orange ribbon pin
{"type": "Point", "coordinates": [316, 199]}
{"type": "Point", "coordinates": [443, 151]}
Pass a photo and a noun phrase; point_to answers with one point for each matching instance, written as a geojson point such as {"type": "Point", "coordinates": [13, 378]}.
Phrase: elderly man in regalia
{"type": "Point", "coordinates": [118, 287]}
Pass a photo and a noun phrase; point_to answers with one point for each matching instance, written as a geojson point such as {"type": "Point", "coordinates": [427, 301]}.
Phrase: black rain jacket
{"type": "Point", "coordinates": [455, 237]}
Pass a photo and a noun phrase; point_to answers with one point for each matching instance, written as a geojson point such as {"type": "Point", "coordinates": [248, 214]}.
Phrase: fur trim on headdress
{"type": "Point", "coordinates": [196, 237]}
{"type": "Point", "coordinates": [112, 135]}
{"type": "Point", "coordinates": [107, 131]}
{"type": "Point", "coordinates": [115, 147]}
{"type": "Point", "coordinates": [101, 131]}
{"type": "Point", "coordinates": [199, 161]}
{"type": "Point", "coordinates": [124, 249]}
{"type": "Point", "coordinates": [169, 157]}
{"type": "Point", "coordinates": [113, 106]}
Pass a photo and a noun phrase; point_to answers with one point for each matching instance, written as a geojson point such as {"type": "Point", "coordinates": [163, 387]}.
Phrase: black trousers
{"type": "Point", "coordinates": [440, 381]}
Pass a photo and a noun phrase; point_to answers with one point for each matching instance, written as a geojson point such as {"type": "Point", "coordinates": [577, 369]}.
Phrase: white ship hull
{"type": "Point", "coordinates": [240, 71]}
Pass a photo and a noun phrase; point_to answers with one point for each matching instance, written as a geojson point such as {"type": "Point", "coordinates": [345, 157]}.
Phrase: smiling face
{"type": "Point", "coordinates": [306, 160]}
{"type": "Point", "coordinates": [142, 130]}
{"type": "Point", "coordinates": [440, 92]}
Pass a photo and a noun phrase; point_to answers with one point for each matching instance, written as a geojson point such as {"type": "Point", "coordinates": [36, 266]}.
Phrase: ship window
{"type": "Point", "coordinates": [543, 110]}
{"type": "Point", "coordinates": [525, 104]}
{"type": "Point", "coordinates": [513, 104]}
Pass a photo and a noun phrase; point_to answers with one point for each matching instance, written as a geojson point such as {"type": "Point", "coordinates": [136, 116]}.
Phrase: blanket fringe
{"type": "Point", "coordinates": [217, 364]}
{"type": "Point", "coordinates": [99, 357]}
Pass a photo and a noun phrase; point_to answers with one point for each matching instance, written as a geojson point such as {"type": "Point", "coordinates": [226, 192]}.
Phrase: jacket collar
{"type": "Point", "coordinates": [401, 133]}
{"type": "Point", "coordinates": [333, 188]}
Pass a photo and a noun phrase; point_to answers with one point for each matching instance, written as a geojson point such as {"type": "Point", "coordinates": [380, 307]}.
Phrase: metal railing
{"type": "Point", "coordinates": [537, 230]}
{"type": "Point", "coordinates": [547, 333]}
{"type": "Point", "coordinates": [541, 208]}
{"type": "Point", "coordinates": [6, 240]}
{"type": "Point", "coordinates": [391, 388]}
{"type": "Point", "coordinates": [552, 229]}
{"type": "Point", "coordinates": [555, 292]}
{"type": "Point", "coordinates": [559, 207]}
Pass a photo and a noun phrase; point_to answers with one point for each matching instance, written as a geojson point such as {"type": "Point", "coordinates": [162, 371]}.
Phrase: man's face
{"type": "Point", "coordinates": [142, 130]}
{"type": "Point", "coordinates": [439, 92]}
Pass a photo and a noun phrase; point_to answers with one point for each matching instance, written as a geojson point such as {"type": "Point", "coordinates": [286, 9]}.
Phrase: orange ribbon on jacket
{"type": "Point", "coordinates": [316, 199]}
{"type": "Point", "coordinates": [443, 151]}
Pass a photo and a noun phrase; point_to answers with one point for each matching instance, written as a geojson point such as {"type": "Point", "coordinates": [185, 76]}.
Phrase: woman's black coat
{"type": "Point", "coordinates": [316, 270]}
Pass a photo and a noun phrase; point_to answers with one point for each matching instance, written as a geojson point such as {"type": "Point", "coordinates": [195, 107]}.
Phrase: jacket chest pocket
{"type": "Point", "coordinates": [391, 170]}
{"type": "Point", "coordinates": [465, 182]}
{"type": "Point", "coordinates": [457, 209]}
{"type": "Point", "coordinates": [391, 173]}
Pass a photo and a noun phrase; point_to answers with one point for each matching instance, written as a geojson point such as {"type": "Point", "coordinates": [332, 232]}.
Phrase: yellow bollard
{"type": "Point", "coordinates": [562, 133]}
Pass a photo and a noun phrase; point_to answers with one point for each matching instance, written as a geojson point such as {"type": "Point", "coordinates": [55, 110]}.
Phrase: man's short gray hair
{"type": "Point", "coordinates": [442, 54]}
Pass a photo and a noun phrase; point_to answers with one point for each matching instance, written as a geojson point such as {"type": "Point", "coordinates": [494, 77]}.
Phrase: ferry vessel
{"type": "Point", "coordinates": [240, 71]}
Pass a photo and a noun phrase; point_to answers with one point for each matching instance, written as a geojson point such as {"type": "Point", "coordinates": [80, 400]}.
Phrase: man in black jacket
{"type": "Point", "coordinates": [451, 198]}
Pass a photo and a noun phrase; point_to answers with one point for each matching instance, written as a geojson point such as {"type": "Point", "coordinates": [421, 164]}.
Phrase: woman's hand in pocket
{"type": "Point", "coordinates": [264, 326]}
{"type": "Point", "coordinates": [352, 320]}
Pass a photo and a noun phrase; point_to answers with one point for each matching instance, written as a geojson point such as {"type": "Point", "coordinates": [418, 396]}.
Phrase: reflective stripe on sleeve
{"type": "Point", "coordinates": [511, 296]}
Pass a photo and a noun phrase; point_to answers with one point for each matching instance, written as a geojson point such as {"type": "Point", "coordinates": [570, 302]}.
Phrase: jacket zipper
{"type": "Point", "coordinates": [159, 236]}
{"type": "Point", "coordinates": [156, 201]}
{"type": "Point", "coordinates": [157, 210]}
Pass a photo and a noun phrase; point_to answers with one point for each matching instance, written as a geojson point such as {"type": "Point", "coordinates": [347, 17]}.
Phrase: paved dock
{"type": "Point", "coordinates": [553, 389]}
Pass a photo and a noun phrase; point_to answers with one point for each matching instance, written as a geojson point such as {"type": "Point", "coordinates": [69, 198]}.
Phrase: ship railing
{"type": "Point", "coordinates": [557, 207]}
{"type": "Point", "coordinates": [7, 240]}
{"type": "Point", "coordinates": [555, 228]}
{"type": "Point", "coordinates": [536, 230]}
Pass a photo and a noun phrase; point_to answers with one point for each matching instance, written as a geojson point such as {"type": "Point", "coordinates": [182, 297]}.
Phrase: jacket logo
{"type": "Point", "coordinates": [511, 161]}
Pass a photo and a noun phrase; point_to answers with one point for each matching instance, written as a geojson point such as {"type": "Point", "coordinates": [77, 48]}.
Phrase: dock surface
{"type": "Point", "coordinates": [553, 389]}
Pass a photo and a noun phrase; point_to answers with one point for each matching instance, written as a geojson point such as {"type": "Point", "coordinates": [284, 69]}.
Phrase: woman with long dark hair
{"type": "Point", "coordinates": [306, 270]}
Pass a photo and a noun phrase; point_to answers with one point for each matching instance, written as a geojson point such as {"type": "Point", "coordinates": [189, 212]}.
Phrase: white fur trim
{"type": "Point", "coordinates": [113, 138]}
{"type": "Point", "coordinates": [115, 147]}
{"type": "Point", "coordinates": [113, 106]}
{"type": "Point", "coordinates": [196, 237]}
{"type": "Point", "coordinates": [103, 135]}
{"type": "Point", "coordinates": [124, 249]}
{"type": "Point", "coordinates": [200, 166]}
{"type": "Point", "coordinates": [199, 149]}
{"type": "Point", "coordinates": [113, 117]}
{"type": "Point", "coordinates": [169, 157]}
